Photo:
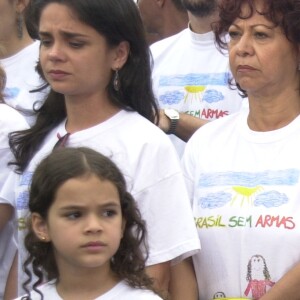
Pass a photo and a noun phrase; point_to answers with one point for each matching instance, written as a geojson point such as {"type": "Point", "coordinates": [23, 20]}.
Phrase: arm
{"type": "Point", "coordinates": [287, 288]}
{"type": "Point", "coordinates": [186, 125]}
{"type": "Point", "coordinates": [11, 283]}
{"type": "Point", "coordinates": [183, 283]}
{"type": "Point", "coordinates": [6, 212]}
{"type": "Point", "coordinates": [161, 275]}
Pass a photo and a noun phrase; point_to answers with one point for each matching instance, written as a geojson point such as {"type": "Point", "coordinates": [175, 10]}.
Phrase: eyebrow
{"type": "Point", "coordinates": [76, 207]}
{"type": "Point", "coordinates": [64, 33]}
{"type": "Point", "coordinates": [253, 26]}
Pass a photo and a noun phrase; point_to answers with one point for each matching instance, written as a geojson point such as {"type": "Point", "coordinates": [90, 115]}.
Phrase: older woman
{"type": "Point", "coordinates": [243, 171]}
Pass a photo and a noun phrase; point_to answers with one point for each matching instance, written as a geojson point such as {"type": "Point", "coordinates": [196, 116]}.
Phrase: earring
{"type": "Point", "coordinates": [43, 238]}
{"type": "Point", "coordinates": [116, 81]}
{"type": "Point", "coordinates": [20, 25]}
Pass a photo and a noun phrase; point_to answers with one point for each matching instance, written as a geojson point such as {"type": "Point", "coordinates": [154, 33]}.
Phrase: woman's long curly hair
{"type": "Point", "coordinates": [116, 21]}
{"type": "Point", "coordinates": [61, 165]}
{"type": "Point", "coordinates": [285, 14]}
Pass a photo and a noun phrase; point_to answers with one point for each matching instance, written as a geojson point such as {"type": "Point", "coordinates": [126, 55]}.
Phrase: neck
{"type": "Point", "coordinates": [87, 283]}
{"type": "Point", "coordinates": [202, 24]}
{"type": "Point", "coordinates": [271, 113]}
{"type": "Point", "coordinates": [14, 44]}
{"type": "Point", "coordinates": [173, 22]}
{"type": "Point", "coordinates": [84, 112]}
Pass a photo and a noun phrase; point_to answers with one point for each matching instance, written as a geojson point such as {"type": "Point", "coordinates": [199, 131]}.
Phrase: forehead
{"type": "Point", "coordinates": [254, 15]}
{"type": "Point", "coordinates": [56, 12]}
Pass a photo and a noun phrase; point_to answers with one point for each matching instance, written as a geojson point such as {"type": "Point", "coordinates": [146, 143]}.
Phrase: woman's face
{"type": "Point", "coordinates": [75, 58]}
{"type": "Point", "coordinates": [262, 59]}
{"type": "Point", "coordinates": [8, 16]}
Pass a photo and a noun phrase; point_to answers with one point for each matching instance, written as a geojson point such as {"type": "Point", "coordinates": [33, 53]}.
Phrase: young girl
{"type": "Point", "coordinates": [85, 231]}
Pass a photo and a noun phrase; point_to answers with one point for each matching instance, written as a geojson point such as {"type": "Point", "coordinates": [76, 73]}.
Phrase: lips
{"type": "Point", "coordinates": [245, 68]}
{"type": "Point", "coordinates": [57, 74]}
{"type": "Point", "coordinates": [94, 244]}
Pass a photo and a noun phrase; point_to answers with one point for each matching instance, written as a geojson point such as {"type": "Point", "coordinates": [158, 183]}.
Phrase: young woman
{"type": "Point", "coordinates": [85, 232]}
{"type": "Point", "coordinates": [96, 60]}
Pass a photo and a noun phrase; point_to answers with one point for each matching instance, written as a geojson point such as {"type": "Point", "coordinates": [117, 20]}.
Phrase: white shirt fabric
{"type": "Point", "coordinates": [191, 76]}
{"type": "Point", "coordinates": [152, 170]}
{"type": "Point", "coordinates": [121, 291]}
{"type": "Point", "coordinates": [10, 120]}
{"type": "Point", "coordinates": [21, 79]}
{"type": "Point", "coordinates": [245, 190]}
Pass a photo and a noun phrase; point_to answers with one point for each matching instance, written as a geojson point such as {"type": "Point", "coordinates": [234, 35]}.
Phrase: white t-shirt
{"type": "Point", "coordinates": [21, 79]}
{"type": "Point", "coordinates": [152, 170]}
{"type": "Point", "coordinates": [191, 75]}
{"type": "Point", "coordinates": [121, 291]}
{"type": "Point", "coordinates": [10, 120]}
{"type": "Point", "coordinates": [245, 191]}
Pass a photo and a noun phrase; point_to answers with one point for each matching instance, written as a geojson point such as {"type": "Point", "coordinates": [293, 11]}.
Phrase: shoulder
{"type": "Point", "coordinates": [48, 291]}
{"type": "Point", "coordinates": [11, 119]}
{"type": "Point", "coordinates": [125, 292]}
{"type": "Point", "coordinates": [217, 132]}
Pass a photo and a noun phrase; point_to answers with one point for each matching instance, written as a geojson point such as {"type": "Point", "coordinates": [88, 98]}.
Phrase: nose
{"type": "Point", "coordinates": [244, 46]}
{"type": "Point", "coordinates": [93, 224]}
{"type": "Point", "coordinates": [56, 53]}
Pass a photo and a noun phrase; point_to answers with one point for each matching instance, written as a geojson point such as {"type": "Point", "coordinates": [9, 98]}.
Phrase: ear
{"type": "Point", "coordinates": [40, 228]}
{"type": "Point", "coordinates": [21, 5]}
{"type": "Point", "coordinates": [122, 53]}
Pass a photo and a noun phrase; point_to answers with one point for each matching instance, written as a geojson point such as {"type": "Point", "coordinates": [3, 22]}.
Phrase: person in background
{"type": "Point", "coordinates": [162, 18]}
{"type": "Point", "coordinates": [190, 76]}
{"type": "Point", "coordinates": [19, 57]}
{"type": "Point", "coordinates": [243, 171]}
{"type": "Point", "coordinates": [85, 231]}
{"type": "Point", "coordinates": [96, 59]}
{"type": "Point", "coordinates": [10, 120]}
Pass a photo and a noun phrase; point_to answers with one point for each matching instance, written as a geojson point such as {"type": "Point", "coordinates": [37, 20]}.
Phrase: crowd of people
{"type": "Point", "coordinates": [140, 169]}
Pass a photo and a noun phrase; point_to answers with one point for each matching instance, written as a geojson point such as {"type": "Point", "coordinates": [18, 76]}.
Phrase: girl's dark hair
{"type": "Point", "coordinates": [66, 163]}
{"type": "Point", "coordinates": [117, 21]}
{"type": "Point", "coordinates": [285, 14]}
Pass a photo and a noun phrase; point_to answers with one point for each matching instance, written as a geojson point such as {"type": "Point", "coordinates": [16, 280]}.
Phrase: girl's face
{"type": "Point", "coordinates": [76, 60]}
{"type": "Point", "coordinates": [84, 224]}
{"type": "Point", "coordinates": [262, 59]}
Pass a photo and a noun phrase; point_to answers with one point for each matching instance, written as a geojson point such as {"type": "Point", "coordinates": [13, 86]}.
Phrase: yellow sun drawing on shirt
{"type": "Point", "coordinates": [194, 93]}
{"type": "Point", "coordinates": [243, 193]}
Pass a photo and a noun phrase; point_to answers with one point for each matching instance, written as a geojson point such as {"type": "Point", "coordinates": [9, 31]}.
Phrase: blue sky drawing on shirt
{"type": "Point", "coordinates": [212, 96]}
{"type": "Point", "coordinates": [11, 93]}
{"type": "Point", "coordinates": [23, 197]}
{"type": "Point", "coordinates": [172, 97]}
{"type": "Point", "coordinates": [192, 87]}
{"type": "Point", "coordinates": [246, 188]}
{"type": "Point", "coordinates": [194, 79]}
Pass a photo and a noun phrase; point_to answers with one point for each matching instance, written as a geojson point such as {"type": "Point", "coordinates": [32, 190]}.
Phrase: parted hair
{"type": "Point", "coordinates": [65, 163]}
